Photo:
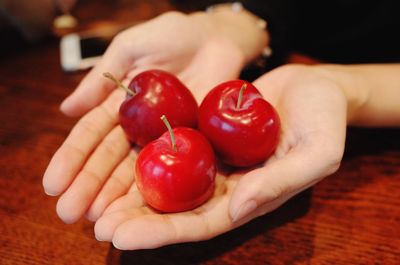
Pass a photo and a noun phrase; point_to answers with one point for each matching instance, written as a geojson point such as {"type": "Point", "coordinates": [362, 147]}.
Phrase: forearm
{"type": "Point", "coordinates": [240, 28]}
{"type": "Point", "coordinates": [372, 90]}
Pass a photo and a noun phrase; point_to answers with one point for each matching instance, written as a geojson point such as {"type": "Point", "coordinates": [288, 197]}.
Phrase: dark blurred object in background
{"type": "Point", "coordinates": [342, 31]}
{"type": "Point", "coordinates": [32, 19]}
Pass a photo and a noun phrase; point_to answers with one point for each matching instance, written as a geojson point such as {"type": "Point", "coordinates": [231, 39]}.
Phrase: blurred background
{"type": "Point", "coordinates": [27, 23]}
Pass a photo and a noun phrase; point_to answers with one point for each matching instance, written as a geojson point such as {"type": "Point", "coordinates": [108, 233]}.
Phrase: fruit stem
{"type": "Point", "coordinates": [171, 133]}
{"type": "Point", "coordinates": [240, 98]}
{"type": "Point", "coordinates": [118, 83]}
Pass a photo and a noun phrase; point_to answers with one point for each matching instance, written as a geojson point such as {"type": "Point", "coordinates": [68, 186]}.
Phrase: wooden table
{"type": "Point", "coordinates": [352, 217]}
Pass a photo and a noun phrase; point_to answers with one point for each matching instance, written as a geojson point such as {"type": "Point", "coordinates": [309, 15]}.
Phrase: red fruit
{"type": "Point", "coordinates": [242, 135]}
{"type": "Point", "coordinates": [176, 177]}
{"type": "Point", "coordinates": [156, 93]}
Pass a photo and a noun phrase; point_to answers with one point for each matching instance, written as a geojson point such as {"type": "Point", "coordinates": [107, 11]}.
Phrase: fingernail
{"type": "Point", "coordinates": [49, 193]}
{"type": "Point", "coordinates": [98, 238]}
{"type": "Point", "coordinates": [245, 209]}
{"type": "Point", "coordinates": [116, 245]}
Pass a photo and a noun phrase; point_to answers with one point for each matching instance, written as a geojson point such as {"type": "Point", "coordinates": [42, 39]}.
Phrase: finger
{"type": "Point", "coordinates": [116, 186]}
{"type": "Point", "coordinates": [105, 226]}
{"type": "Point", "coordinates": [300, 168]}
{"type": "Point", "coordinates": [114, 215]}
{"type": "Point", "coordinates": [94, 88]}
{"type": "Point", "coordinates": [131, 200]}
{"type": "Point", "coordinates": [82, 140]}
{"type": "Point", "coordinates": [121, 210]}
{"type": "Point", "coordinates": [78, 197]}
{"type": "Point", "coordinates": [155, 230]}
{"type": "Point", "coordinates": [270, 86]}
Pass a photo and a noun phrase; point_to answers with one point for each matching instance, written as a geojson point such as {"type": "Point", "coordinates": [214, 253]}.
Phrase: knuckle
{"type": "Point", "coordinates": [173, 16]}
{"type": "Point", "coordinates": [120, 181]}
{"type": "Point", "coordinates": [120, 37]}
{"type": "Point", "coordinates": [109, 148]}
{"type": "Point", "coordinates": [293, 69]}
{"type": "Point", "coordinates": [121, 41]}
{"type": "Point", "coordinates": [330, 159]}
{"type": "Point", "coordinates": [333, 164]}
{"type": "Point", "coordinates": [107, 112]}
{"type": "Point", "coordinates": [75, 149]}
{"type": "Point", "coordinates": [89, 174]}
{"type": "Point", "coordinates": [328, 151]}
{"type": "Point", "coordinates": [88, 125]}
{"type": "Point", "coordinates": [278, 191]}
{"type": "Point", "coordinates": [333, 154]}
{"type": "Point", "coordinates": [84, 127]}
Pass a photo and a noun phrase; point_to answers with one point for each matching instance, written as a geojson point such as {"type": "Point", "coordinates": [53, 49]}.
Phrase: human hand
{"type": "Point", "coordinates": [313, 111]}
{"type": "Point", "coordinates": [92, 167]}
{"type": "Point", "coordinates": [198, 48]}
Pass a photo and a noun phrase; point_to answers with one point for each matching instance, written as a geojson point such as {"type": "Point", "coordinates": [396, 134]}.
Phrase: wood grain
{"type": "Point", "coordinates": [352, 217]}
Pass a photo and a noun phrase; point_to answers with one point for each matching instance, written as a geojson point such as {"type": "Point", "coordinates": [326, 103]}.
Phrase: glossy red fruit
{"type": "Point", "coordinates": [156, 93]}
{"type": "Point", "coordinates": [176, 179]}
{"type": "Point", "coordinates": [244, 135]}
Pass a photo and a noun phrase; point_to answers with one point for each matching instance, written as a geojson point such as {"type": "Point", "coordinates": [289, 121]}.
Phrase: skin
{"type": "Point", "coordinates": [191, 59]}
{"type": "Point", "coordinates": [92, 171]}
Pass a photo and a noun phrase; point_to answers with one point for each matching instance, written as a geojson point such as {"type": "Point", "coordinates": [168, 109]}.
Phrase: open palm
{"type": "Point", "coordinates": [313, 113]}
{"type": "Point", "coordinates": [94, 168]}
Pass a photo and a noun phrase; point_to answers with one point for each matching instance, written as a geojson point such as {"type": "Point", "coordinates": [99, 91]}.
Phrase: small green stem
{"type": "Point", "coordinates": [171, 133]}
{"type": "Point", "coordinates": [118, 83]}
{"type": "Point", "coordinates": [240, 98]}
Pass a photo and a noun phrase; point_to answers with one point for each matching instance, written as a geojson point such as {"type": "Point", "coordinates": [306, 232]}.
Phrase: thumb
{"type": "Point", "coordinates": [264, 189]}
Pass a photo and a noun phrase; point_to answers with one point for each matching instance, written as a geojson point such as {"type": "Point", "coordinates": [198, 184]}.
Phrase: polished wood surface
{"type": "Point", "coordinates": [352, 217]}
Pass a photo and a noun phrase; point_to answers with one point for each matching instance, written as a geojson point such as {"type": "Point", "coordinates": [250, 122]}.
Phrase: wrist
{"type": "Point", "coordinates": [352, 87]}
{"type": "Point", "coordinates": [239, 28]}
